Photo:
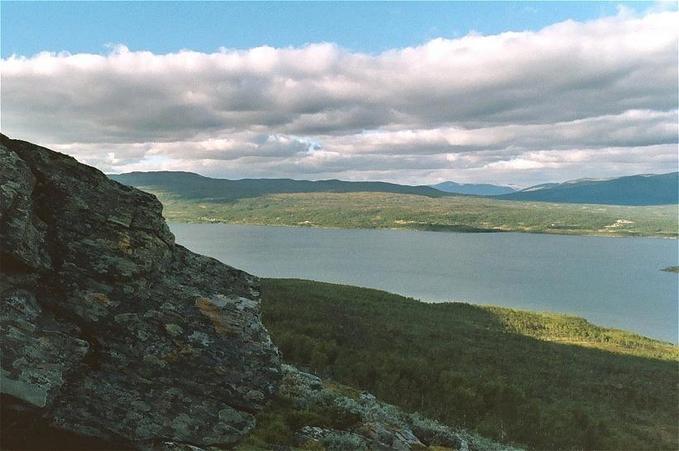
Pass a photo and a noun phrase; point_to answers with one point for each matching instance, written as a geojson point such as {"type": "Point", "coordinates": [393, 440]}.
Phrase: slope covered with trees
{"type": "Point", "coordinates": [545, 380]}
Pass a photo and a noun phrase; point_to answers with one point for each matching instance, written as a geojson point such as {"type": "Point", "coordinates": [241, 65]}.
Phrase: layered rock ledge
{"type": "Point", "coordinates": [112, 334]}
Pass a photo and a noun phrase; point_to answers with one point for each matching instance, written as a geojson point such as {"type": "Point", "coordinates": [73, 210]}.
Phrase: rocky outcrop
{"type": "Point", "coordinates": [112, 334]}
{"type": "Point", "coordinates": [341, 418]}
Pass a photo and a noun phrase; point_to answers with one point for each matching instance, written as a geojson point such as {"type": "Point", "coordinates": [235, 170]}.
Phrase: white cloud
{"type": "Point", "coordinates": [516, 107]}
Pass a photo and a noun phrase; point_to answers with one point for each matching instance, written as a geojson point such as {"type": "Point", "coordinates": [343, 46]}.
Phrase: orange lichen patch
{"type": "Point", "coordinates": [99, 298]}
{"type": "Point", "coordinates": [124, 244]}
{"type": "Point", "coordinates": [210, 310]}
{"type": "Point", "coordinates": [179, 354]}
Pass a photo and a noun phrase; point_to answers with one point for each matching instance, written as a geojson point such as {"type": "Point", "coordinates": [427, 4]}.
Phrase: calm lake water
{"type": "Point", "coordinates": [613, 282]}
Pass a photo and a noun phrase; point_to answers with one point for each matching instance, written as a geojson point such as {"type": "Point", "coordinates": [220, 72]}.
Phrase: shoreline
{"type": "Point", "coordinates": [425, 229]}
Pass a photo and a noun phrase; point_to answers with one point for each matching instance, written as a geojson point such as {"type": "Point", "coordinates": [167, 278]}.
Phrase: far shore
{"type": "Point", "coordinates": [431, 228]}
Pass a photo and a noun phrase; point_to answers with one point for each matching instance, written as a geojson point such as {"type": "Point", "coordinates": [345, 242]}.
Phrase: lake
{"type": "Point", "coordinates": [613, 282]}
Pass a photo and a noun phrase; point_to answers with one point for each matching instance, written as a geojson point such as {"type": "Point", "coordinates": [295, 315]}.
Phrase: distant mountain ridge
{"type": "Point", "coordinates": [477, 189]}
{"type": "Point", "coordinates": [647, 189]}
{"type": "Point", "coordinates": [194, 186]}
{"type": "Point", "coordinates": [639, 190]}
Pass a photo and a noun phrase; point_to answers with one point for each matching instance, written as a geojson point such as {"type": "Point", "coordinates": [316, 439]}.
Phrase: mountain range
{"type": "Point", "coordinates": [193, 186]}
{"type": "Point", "coordinates": [648, 189]}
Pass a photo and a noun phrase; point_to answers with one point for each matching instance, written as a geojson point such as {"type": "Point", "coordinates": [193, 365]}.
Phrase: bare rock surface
{"type": "Point", "coordinates": [112, 334]}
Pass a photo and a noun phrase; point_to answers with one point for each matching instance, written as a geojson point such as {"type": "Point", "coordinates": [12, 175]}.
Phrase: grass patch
{"type": "Point", "coordinates": [548, 381]}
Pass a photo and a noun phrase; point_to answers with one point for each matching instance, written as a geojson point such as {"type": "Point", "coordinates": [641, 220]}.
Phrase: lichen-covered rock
{"type": "Point", "coordinates": [109, 329]}
{"type": "Point", "coordinates": [40, 349]}
{"type": "Point", "coordinates": [22, 232]}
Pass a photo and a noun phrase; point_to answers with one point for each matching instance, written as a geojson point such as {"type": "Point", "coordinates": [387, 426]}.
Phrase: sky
{"type": "Point", "coordinates": [513, 93]}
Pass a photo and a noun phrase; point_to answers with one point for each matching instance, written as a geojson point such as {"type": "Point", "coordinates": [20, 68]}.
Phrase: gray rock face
{"type": "Point", "coordinates": [109, 329]}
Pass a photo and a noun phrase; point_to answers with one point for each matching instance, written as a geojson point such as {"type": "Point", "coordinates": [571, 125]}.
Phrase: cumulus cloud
{"type": "Point", "coordinates": [522, 107]}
